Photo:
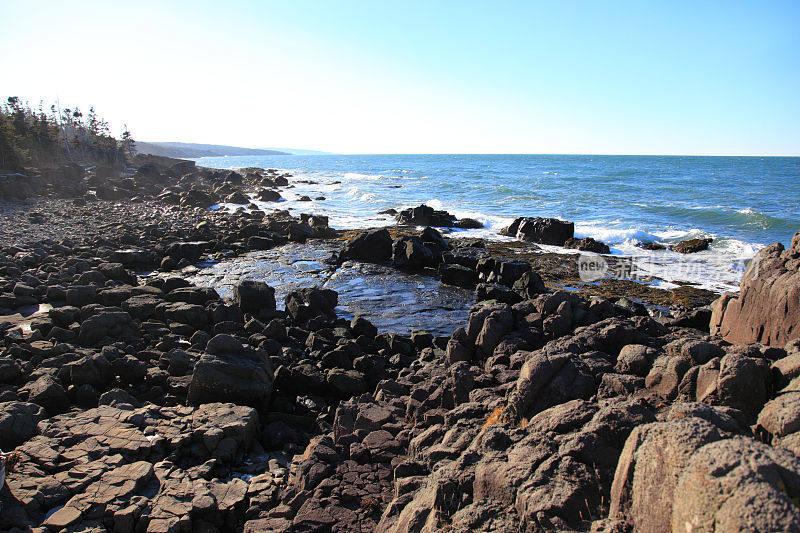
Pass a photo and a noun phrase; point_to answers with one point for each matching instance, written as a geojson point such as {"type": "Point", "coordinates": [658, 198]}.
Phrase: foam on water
{"type": "Point", "coordinates": [742, 203]}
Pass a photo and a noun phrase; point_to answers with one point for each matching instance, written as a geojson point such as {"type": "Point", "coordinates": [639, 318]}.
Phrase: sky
{"type": "Point", "coordinates": [613, 77]}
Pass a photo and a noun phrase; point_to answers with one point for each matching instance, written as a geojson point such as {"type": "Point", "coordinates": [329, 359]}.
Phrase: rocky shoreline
{"type": "Point", "coordinates": [136, 399]}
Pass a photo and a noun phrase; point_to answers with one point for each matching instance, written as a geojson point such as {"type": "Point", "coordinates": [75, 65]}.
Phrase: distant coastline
{"type": "Point", "coordinates": [182, 150]}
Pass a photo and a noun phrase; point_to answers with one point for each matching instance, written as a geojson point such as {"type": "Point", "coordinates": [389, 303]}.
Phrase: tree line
{"type": "Point", "coordinates": [39, 136]}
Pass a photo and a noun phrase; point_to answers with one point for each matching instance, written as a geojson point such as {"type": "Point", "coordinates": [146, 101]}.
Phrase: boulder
{"type": "Point", "coordinates": [424, 215]}
{"type": "Point", "coordinates": [269, 195]}
{"type": "Point", "coordinates": [48, 393]}
{"type": "Point", "coordinates": [692, 246]}
{"type": "Point", "coordinates": [587, 244]}
{"type": "Point", "coordinates": [649, 468]}
{"type": "Point", "coordinates": [409, 253]}
{"type": "Point", "coordinates": [766, 308]}
{"type": "Point", "coordinates": [311, 302]}
{"type": "Point", "coordinates": [541, 230]}
{"type": "Point", "coordinates": [231, 372]}
{"type": "Point", "coordinates": [737, 484]}
{"type": "Point", "coordinates": [454, 274]}
{"type": "Point", "coordinates": [253, 296]}
{"type": "Point", "coordinates": [18, 423]}
{"type": "Point", "coordinates": [529, 285]}
{"type": "Point", "coordinates": [370, 246]}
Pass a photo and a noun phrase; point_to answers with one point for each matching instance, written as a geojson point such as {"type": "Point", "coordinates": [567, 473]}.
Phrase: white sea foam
{"type": "Point", "coordinates": [354, 199]}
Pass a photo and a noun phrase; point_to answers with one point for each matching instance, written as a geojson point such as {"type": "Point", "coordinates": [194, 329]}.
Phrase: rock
{"type": "Point", "coordinates": [108, 324]}
{"type": "Point", "coordinates": [46, 392]}
{"type": "Point", "coordinates": [692, 246]}
{"type": "Point", "coordinates": [346, 383]}
{"type": "Point", "coordinates": [269, 195]}
{"type": "Point", "coordinates": [666, 375]}
{"type": "Point", "coordinates": [649, 467]}
{"type": "Point", "coordinates": [765, 309]}
{"type": "Point", "coordinates": [736, 381]}
{"type": "Point", "coordinates": [541, 230]}
{"type": "Point", "coordinates": [495, 291]}
{"type": "Point", "coordinates": [737, 484]}
{"type": "Point", "coordinates": [18, 421]}
{"type": "Point", "coordinates": [652, 246]}
{"type": "Point", "coordinates": [409, 253]}
{"type": "Point", "coordinates": [370, 246]}
{"type": "Point", "coordinates": [189, 250]}
{"type": "Point", "coordinates": [458, 275]}
{"type": "Point", "coordinates": [193, 295]}
{"type": "Point", "coordinates": [468, 223]}
{"type": "Point", "coordinates": [636, 359]}
{"type": "Point", "coordinates": [781, 415]}
{"type": "Point", "coordinates": [529, 285]}
{"type": "Point", "coordinates": [424, 215]}
{"type": "Point", "coordinates": [238, 197]}
{"type": "Point", "coordinates": [9, 370]}
{"type": "Point", "coordinates": [78, 296]}
{"type": "Point", "coordinates": [253, 296]}
{"type": "Point", "coordinates": [305, 304]}
{"type": "Point", "coordinates": [231, 373]}
{"type": "Point", "coordinates": [93, 370]}
{"type": "Point", "coordinates": [587, 244]}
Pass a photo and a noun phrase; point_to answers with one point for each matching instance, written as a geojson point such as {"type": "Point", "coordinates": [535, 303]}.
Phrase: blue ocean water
{"type": "Point", "coordinates": [742, 202]}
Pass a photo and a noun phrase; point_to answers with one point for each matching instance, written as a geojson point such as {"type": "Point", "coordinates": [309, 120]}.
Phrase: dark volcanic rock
{"type": "Point", "coordinates": [587, 244]}
{"type": "Point", "coordinates": [369, 246]}
{"type": "Point", "coordinates": [410, 253]}
{"type": "Point", "coordinates": [541, 230]}
{"type": "Point", "coordinates": [253, 296]}
{"type": "Point", "coordinates": [231, 372]}
{"type": "Point", "coordinates": [424, 215]}
{"type": "Point", "coordinates": [692, 246]}
{"type": "Point", "coordinates": [306, 304]}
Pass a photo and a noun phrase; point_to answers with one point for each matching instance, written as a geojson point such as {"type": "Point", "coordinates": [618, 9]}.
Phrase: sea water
{"type": "Point", "coordinates": [743, 203]}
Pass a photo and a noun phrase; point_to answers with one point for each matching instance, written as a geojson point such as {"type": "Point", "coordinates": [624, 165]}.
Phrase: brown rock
{"type": "Point", "coordinates": [767, 308]}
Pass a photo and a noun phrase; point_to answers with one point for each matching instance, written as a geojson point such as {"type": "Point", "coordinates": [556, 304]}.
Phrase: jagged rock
{"type": "Point", "coordinates": [692, 246]}
{"type": "Point", "coordinates": [735, 380]}
{"type": "Point", "coordinates": [370, 246]}
{"type": "Point", "coordinates": [48, 393]}
{"type": "Point", "coordinates": [409, 253]}
{"type": "Point", "coordinates": [587, 244]}
{"type": "Point", "coordinates": [305, 304]}
{"type": "Point", "coordinates": [111, 324]}
{"type": "Point", "coordinates": [18, 422]}
{"type": "Point", "coordinates": [781, 417]}
{"type": "Point", "coordinates": [529, 285]}
{"type": "Point", "coordinates": [424, 215]}
{"type": "Point", "coordinates": [252, 296]}
{"type": "Point", "coordinates": [346, 383]}
{"type": "Point", "coordinates": [766, 308]}
{"type": "Point", "coordinates": [541, 230]}
{"type": "Point", "coordinates": [458, 275]}
{"type": "Point", "coordinates": [231, 372]}
{"type": "Point", "coordinates": [636, 359]}
{"type": "Point", "coordinates": [269, 195]}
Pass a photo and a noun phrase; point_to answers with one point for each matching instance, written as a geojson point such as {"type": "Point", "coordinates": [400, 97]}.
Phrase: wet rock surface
{"type": "Point", "coordinates": [214, 371]}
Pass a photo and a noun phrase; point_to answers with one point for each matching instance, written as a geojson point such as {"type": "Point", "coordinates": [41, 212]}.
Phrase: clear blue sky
{"type": "Point", "coordinates": [436, 77]}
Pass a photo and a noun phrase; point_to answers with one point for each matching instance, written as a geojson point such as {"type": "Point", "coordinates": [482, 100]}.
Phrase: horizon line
{"type": "Point", "coordinates": [323, 153]}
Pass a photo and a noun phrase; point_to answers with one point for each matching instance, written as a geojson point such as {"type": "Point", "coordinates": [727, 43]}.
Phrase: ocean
{"type": "Point", "coordinates": [743, 203]}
